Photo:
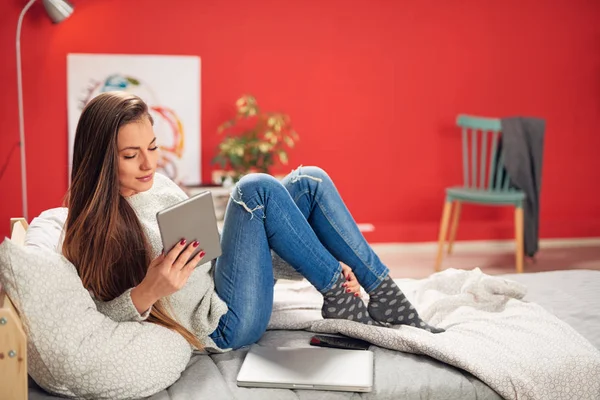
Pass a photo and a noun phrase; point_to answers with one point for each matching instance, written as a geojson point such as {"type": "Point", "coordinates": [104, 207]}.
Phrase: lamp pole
{"type": "Point", "coordinates": [21, 119]}
{"type": "Point", "coordinates": [57, 10]}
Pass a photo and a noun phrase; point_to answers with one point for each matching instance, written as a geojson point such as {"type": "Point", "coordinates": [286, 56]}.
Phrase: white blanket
{"type": "Point", "coordinates": [517, 348]}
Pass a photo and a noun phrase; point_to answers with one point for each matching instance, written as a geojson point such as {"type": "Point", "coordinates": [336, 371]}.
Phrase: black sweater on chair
{"type": "Point", "coordinates": [523, 148]}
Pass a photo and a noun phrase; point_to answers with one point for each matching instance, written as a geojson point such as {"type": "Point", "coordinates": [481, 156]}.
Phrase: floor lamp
{"type": "Point", "coordinates": [58, 11]}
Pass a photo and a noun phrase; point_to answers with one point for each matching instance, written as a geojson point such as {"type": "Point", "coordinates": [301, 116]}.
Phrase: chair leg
{"type": "Point", "coordinates": [519, 239]}
{"type": "Point", "coordinates": [443, 234]}
{"type": "Point", "coordinates": [454, 227]}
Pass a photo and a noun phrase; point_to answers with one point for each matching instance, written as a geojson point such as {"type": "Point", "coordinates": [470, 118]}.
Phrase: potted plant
{"type": "Point", "coordinates": [254, 140]}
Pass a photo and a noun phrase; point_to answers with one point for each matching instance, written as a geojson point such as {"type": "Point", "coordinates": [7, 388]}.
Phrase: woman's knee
{"type": "Point", "coordinates": [256, 181]}
{"type": "Point", "coordinates": [314, 172]}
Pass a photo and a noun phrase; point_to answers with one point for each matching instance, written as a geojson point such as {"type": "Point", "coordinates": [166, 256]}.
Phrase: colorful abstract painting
{"type": "Point", "coordinates": [170, 85]}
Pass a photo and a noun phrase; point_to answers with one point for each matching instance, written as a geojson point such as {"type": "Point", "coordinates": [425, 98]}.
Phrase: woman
{"type": "Point", "coordinates": [113, 240]}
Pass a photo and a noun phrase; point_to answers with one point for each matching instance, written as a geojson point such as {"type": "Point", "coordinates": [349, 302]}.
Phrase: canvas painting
{"type": "Point", "coordinates": [170, 85]}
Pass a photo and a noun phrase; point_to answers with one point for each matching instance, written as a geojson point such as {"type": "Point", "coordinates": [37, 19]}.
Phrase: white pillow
{"type": "Point", "coordinates": [46, 230]}
{"type": "Point", "coordinates": [76, 351]}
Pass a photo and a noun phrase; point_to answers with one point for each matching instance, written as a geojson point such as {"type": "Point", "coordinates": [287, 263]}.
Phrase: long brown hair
{"type": "Point", "coordinates": [104, 238]}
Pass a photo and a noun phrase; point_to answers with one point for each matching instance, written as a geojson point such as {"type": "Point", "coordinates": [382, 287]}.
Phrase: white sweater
{"type": "Point", "coordinates": [196, 306]}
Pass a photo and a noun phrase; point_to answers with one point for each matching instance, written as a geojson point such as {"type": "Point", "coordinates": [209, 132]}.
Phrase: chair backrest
{"type": "Point", "coordinates": [483, 164]}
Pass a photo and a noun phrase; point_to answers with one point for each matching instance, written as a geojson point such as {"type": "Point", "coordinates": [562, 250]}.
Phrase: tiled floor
{"type": "Point", "coordinates": [418, 261]}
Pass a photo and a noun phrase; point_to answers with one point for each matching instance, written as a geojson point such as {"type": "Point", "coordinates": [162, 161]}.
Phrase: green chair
{"type": "Point", "coordinates": [486, 182]}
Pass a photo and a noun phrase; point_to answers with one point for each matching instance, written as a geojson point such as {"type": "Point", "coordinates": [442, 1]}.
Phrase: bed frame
{"type": "Point", "coordinates": [13, 340]}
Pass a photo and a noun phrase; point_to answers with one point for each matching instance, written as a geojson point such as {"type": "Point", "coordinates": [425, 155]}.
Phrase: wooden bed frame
{"type": "Point", "coordinates": [13, 340]}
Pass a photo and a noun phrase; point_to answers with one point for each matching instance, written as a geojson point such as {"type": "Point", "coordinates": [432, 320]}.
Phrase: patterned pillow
{"type": "Point", "coordinates": [76, 351]}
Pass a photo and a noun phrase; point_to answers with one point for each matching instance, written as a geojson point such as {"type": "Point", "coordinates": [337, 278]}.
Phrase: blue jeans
{"type": "Point", "coordinates": [304, 220]}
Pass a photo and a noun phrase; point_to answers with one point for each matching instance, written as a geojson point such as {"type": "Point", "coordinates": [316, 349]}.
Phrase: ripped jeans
{"type": "Point", "coordinates": [304, 220]}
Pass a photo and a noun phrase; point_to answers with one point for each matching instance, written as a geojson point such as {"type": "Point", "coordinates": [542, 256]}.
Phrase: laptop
{"type": "Point", "coordinates": [316, 368]}
{"type": "Point", "coordinates": [191, 219]}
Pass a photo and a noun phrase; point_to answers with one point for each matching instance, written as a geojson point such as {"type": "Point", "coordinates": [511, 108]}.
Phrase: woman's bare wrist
{"type": "Point", "coordinates": [142, 299]}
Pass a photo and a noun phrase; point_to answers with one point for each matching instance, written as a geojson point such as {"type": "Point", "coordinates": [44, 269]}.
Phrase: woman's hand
{"type": "Point", "coordinates": [166, 274]}
{"type": "Point", "coordinates": [351, 284]}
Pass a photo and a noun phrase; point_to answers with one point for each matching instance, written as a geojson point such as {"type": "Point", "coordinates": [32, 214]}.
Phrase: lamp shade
{"type": "Point", "coordinates": [58, 10]}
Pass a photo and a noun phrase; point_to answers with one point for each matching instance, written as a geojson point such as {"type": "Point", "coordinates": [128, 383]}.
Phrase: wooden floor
{"type": "Point", "coordinates": [417, 261]}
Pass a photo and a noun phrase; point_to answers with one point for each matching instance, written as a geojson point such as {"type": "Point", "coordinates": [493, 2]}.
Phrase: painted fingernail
{"type": "Point", "coordinates": [182, 242]}
{"type": "Point", "coordinates": [195, 243]}
{"type": "Point", "coordinates": [202, 254]}
{"type": "Point", "coordinates": [348, 290]}
{"type": "Point", "coordinates": [355, 294]}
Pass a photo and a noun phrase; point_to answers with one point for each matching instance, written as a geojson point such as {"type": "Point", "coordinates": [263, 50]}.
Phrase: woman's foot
{"type": "Point", "coordinates": [341, 303]}
{"type": "Point", "coordinates": [388, 305]}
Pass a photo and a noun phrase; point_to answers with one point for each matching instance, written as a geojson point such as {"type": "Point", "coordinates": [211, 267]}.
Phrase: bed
{"type": "Point", "coordinates": [563, 305]}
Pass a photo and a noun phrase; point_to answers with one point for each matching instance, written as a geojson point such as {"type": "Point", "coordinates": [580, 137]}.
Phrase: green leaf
{"type": "Point", "coordinates": [225, 125]}
{"type": "Point", "coordinates": [283, 157]}
{"type": "Point", "coordinates": [235, 160]}
{"type": "Point", "coordinates": [220, 159]}
{"type": "Point", "coordinates": [289, 141]}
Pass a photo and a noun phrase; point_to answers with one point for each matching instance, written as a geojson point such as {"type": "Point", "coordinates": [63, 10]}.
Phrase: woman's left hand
{"type": "Point", "coordinates": [351, 284]}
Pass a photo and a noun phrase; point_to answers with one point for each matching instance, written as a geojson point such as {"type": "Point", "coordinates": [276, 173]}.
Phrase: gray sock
{"type": "Point", "coordinates": [387, 304]}
{"type": "Point", "coordinates": [339, 304]}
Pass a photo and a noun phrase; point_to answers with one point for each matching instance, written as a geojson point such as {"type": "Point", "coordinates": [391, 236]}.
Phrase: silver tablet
{"type": "Point", "coordinates": [191, 219]}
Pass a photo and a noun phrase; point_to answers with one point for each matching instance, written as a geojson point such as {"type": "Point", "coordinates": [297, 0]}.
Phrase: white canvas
{"type": "Point", "coordinates": [170, 85]}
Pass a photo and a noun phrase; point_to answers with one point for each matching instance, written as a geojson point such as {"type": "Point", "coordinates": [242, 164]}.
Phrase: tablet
{"type": "Point", "coordinates": [191, 219]}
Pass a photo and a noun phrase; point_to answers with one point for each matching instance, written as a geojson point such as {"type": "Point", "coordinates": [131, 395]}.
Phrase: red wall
{"type": "Point", "coordinates": [373, 87]}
